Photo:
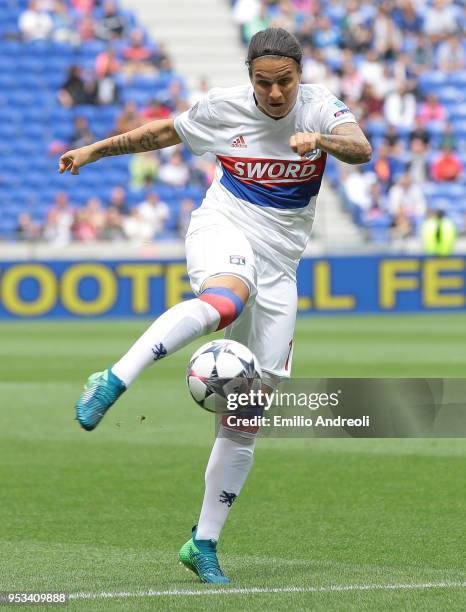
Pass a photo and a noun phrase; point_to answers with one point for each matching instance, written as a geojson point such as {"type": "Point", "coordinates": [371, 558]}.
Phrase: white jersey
{"type": "Point", "coordinates": [260, 184]}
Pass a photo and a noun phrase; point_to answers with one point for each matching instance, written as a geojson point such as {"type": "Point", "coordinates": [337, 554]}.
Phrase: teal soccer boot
{"type": "Point", "coordinates": [200, 556]}
{"type": "Point", "coordinates": [100, 392]}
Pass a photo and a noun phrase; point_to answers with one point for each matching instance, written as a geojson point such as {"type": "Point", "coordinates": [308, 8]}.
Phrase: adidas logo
{"type": "Point", "coordinates": [239, 143]}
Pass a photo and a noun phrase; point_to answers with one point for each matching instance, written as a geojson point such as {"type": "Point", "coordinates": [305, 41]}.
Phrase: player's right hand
{"type": "Point", "coordinates": [72, 160]}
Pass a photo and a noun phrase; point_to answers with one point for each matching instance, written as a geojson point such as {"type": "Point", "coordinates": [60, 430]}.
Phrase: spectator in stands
{"type": "Point", "coordinates": [400, 108]}
{"type": "Point", "coordinates": [165, 66]}
{"type": "Point", "coordinates": [143, 169]}
{"type": "Point", "coordinates": [385, 166]}
{"type": "Point", "coordinates": [451, 56]}
{"type": "Point", "coordinates": [387, 39]}
{"type": "Point", "coordinates": [402, 226]}
{"type": "Point", "coordinates": [64, 26]}
{"type": "Point", "coordinates": [83, 229]}
{"type": "Point", "coordinates": [446, 166]}
{"type": "Point", "coordinates": [184, 216]}
{"type": "Point", "coordinates": [314, 68]}
{"type": "Point", "coordinates": [327, 38]}
{"type": "Point", "coordinates": [173, 97]}
{"type": "Point", "coordinates": [375, 218]}
{"type": "Point", "coordinates": [27, 229]}
{"type": "Point", "coordinates": [355, 33]}
{"type": "Point", "coordinates": [119, 201]}
{"type": "Point", "coordinates": [377, 200]}
{"type": "Point", "coordinates": [112, 230]}
{"type": "Point", "coordinates": [372, 103]}
{"type": "Point", "coordinates": [305, 31]}
{"type": "Point", "coordinates": [440, 20]}
{"type": "Point", "coordinates": [138, 56]}
{"type": "Point", "coordinates": [352, 83]}
{"type": "Point", "coordinates": [431, 110]}
{"type": "Point", "coordinates": [357, 190]}
{"type": "Point", "coordinates": [259, 22]}
{"type": "Point", "coordinates": [106, 67]}
{"type": "Point", "coordinates": [154, 212]}
{"type": "Point", "coordinates": [448, 138]}
{"type": "Point", "coordinates": [135, 227]}
{"type": "Point", "coordinates": [128, 119]}
{"type": "Point", "coordinates": [87, 28]}
{"type": "Point", "coordinates": [96, 213]}
{"type": "Point", "coordinates": [175, 172]}
{"type": "Point", "coordinates": [83, 6]}
{"type": "Point", "coordinates": [387, 83]}
{"type": "Point", "coordinates": [303, 7]}
{"type": "Point", "coordinates": [285, 16]}
{"type": "Point", "coordinates": [371, 69]}
{"type": "Point", "coordinates": [155, 110]}
{"type": "Point", "coordinates": [160, 54]}
{"type": "Point", "coordinates": [402, 71]}
{"type": "Point", "coordinates": [106, 63]}
{"type": "Point", "coordinates": [82, 135]}
{"type": "Point", "coordinates": [107, 91]}
{"type": "Point", "coordinates": [392, 137]}
{"type": "Point", "coordinates": [245, 11]}
{"type": "Point", "coordinates": [438, 234]}
{"type": "Point", "coordinates": [112, 25]}
{"type": "Point", "coordinates": [75, 90]}
{"type": "Point", "coordinates": [59, 221]}
{"type": "Point", "coordinates": [417, 163]}
{"type": "Point", "coordinates": [420, 54]}
{"type": "Point", "coordinates": [407, 18]}
{"type": "Point", "coordinates": [407, 197]}
{"type": "Point", "coordinates": [35, 23]}
{"type": "Point", "coordinates": [420, 131]}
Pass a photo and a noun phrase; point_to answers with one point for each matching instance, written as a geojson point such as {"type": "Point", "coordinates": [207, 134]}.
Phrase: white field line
{"type": "Point", "coordinates": [278, 590]}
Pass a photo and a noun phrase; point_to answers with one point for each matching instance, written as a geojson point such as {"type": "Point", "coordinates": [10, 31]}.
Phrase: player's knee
{"type": "Point", "coordinates": [228, 305]}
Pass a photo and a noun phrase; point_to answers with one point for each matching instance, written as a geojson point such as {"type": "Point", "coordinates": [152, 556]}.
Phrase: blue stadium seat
{"type": "Point", "coordinates": [450, 94]}
{"type": "Point", "coordinates": [431, 81]}
{"type": "Point", "coordinates": [452, 193]}
{"type": "Point", "coordinates": [457, 112]}
{"type": "Point", "coordinates": [460, 130]}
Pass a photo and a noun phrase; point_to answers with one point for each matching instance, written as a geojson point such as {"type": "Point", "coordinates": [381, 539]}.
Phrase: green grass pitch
{"type": "Point", "coordinates": [321, 524]}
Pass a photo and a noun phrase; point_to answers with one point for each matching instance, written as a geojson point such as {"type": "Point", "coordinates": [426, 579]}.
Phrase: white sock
{"type": "Point", "coordinates": [174, 329]}
{"type": "Point", "coordinates": [229, 465]}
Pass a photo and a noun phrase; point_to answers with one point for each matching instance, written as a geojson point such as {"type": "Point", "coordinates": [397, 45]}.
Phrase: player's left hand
{"type": "Point", "coordinates": [304, 142]}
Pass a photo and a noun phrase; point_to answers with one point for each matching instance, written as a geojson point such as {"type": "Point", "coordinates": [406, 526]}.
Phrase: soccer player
{"type": "Point", "coordinates": [243, 244]}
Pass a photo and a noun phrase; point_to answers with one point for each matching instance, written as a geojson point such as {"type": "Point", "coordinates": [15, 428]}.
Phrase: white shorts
{"type": "Point", "coordinates": [214, 246]}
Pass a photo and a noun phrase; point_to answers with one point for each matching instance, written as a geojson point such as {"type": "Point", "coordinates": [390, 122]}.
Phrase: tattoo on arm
{"type": "Point", "coordinates": [159, 135]}
{"type": "Point", "coordinates": [149, 141]}
{"type": "Point", "coordinates": [119, 145]}
{"type": "Point", "coordinates": [346, 148]}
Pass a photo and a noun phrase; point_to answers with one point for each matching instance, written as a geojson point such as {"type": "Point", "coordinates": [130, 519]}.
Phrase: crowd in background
{"type": "Point", "coordinates": [373, 55]}
{"type": "Point", "coordinates": [135, 212]}
{"type": "Point", "coordinates": [111, 221]}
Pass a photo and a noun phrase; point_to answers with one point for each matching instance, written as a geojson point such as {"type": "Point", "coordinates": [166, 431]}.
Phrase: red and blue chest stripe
{"type": "Point", "coordinates": [272, 183]}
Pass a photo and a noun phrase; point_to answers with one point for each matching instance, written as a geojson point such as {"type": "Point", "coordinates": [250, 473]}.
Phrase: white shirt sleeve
{"type": "Point", "coordinates": [197, 127]}
{"type": "Point", "coordinates": [332, 112]}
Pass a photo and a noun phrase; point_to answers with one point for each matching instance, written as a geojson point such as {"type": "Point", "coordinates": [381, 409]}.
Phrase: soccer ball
{"type": "Point", "coordinates": [219, 369]}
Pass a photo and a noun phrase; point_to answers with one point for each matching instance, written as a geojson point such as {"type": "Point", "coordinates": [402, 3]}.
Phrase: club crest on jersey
{"type": "Point", "coordinates": [239, 143]}
{"type": "Point", "coordinates": [238, 260]}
